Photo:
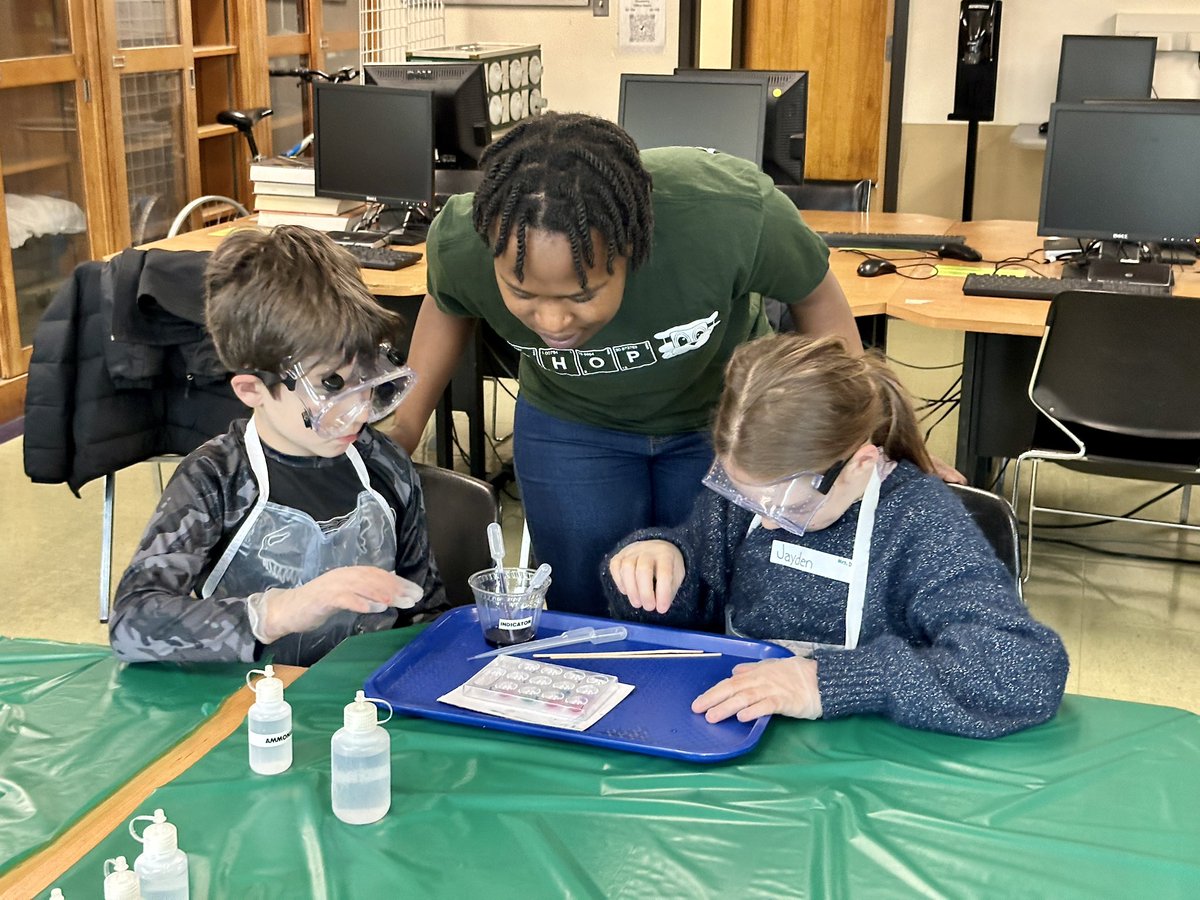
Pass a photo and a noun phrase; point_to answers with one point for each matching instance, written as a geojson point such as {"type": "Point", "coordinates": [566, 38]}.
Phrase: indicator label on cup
{"type": "Point", "coordinates": [515, 624]}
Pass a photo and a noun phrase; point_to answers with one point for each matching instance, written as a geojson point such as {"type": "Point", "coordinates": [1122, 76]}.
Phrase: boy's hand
{"type": "Point", "coordinates": [360, 589]}
{"type": "Point", "coordinates": [784, 686]}
{"type": "Point", "coordinates": [648, 573]}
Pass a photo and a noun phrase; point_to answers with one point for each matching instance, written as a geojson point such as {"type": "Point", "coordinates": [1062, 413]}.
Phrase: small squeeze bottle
{"type": "Point", "coordinates": [361, 765]}
{"type": "Point", "coordinates": [120, 881]}
{"type": "Point", "coordinates": [162, 868]}
{"type": "Point", "coordinates": [269, 725]}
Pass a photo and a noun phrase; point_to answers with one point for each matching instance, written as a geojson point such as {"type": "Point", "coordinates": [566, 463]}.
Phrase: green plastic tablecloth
{"type": "Point", "coordinates": [1100, 802]}
{"type": "Point", "coordinates": [76, 724]}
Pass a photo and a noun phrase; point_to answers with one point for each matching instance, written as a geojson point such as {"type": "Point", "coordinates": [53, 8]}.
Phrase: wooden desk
{"type": "Point", "coordinates": [406, 282]}
{"type": "Point", "coordinates": [940, 302]}
{"type": "Point", "coordinates": [38, 873]}
{"type": "Point", "coordinates": [1001, 337]}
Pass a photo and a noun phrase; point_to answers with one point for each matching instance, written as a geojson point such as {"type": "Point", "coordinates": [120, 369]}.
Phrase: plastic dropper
{"type": "Point", "coordinates": [495, 536]}
{"type": "Point", "coordinates": [574, 636]}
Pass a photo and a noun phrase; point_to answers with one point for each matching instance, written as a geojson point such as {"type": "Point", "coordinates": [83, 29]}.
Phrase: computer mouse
{"type": "Point", "coordinates": [959, 251]}
{"type": "Point", "coordinates": [1043, 128]}
{"type": "Point", "coordinates": [869, 268]}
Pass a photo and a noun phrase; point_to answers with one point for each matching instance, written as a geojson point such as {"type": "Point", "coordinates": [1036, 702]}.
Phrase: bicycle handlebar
{"type": "Point", "coordinates": [344, 74]}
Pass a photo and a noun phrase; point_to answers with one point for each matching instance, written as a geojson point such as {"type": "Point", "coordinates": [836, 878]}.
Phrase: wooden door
{"type": "Point", "coordinates": [842, 45]}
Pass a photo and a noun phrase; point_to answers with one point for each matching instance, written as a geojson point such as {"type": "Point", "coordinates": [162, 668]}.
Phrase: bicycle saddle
{"type": "Point", "coordinates": [243, 119]}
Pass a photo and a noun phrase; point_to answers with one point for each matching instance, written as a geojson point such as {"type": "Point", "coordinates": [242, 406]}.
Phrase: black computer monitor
{"type": "Point", "coordinates": [1122, 174]}
{"type": "Point", "coordinates": [1105, 67]}
{"type": "Point", "coordinates": [786, 121]}
{"type": "Point", "coordinates": [720, 113]}
{"type": "Point", "coordinates": [460, 112]}
{"type": "Point", "coordinates": [374, 143]}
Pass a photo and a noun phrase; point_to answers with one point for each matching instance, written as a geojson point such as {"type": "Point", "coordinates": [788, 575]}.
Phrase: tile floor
{"type": "Point", "coordinates": [1132, 627]}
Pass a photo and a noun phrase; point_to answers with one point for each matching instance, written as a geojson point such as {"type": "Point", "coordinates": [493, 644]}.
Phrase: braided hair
{"type": "Point", "coordinates": [567, 173]}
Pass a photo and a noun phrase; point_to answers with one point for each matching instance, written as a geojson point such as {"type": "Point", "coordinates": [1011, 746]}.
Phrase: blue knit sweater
{"type": "Point", "coordinates": [946, 643]}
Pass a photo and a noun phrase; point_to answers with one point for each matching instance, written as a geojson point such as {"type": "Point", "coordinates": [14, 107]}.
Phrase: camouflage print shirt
{"type": "Point", "coordinates": [158, 615]}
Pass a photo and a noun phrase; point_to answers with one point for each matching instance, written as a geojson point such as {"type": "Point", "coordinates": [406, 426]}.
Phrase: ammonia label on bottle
{"type": "Point", "coordinates": [514, 624]}
{"type": "Point", "coordinates": [268, 740]}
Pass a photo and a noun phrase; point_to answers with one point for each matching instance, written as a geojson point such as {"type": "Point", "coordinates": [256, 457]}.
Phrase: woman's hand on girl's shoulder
{"type": "Point", "coordinates": [648, 573]}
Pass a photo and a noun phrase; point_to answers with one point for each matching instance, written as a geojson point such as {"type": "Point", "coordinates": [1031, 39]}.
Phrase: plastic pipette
{"type": "Point", "coordinates": [539, 578]}
{"type": "Point", "coordinates": [574, 636]}
{"type": "Point", "coordinates": [496, 549]}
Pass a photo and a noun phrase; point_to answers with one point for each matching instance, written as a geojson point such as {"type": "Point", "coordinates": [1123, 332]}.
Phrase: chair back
{"type": "Point", "coordinates": [844, 196]}
{"type": "Point", "coordinates": [996, 519]}
{"type": "Point", "coordinates": [459, 509]}
{"type": "Point", "coordinates": [1121, 363]}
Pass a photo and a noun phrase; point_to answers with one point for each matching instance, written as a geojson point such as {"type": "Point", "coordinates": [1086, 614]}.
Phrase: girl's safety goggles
{"type": "Point", "coordinates": [336, 405]}
{"type": "Point", "coordinates": [791, 501]}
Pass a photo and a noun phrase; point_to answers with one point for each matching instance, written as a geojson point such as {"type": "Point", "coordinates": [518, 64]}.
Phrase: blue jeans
{"type": "Point", "coordinates": [584, 488]}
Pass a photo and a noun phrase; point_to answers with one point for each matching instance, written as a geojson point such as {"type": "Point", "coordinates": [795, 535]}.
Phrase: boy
{"type": "Point", "coordinates": [301, 526]}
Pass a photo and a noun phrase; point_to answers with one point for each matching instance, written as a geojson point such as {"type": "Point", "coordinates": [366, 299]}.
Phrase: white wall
{"type": "Point", "coordinates": [1030, 37]}
{"type": "Point", "coordinates": [580, 56]}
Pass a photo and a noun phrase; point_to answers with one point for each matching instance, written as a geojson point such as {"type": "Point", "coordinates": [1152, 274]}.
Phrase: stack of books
{"type": "Point", "coordinates": [285, 194]}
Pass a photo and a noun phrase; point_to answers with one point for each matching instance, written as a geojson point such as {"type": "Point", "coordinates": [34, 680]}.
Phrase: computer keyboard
{"type": "Point", "coordinates": [382, 257]}
{"type": "Point", "coordinates": [889, 241]}
{"type": "Point", "coordinates": [1034, 287]}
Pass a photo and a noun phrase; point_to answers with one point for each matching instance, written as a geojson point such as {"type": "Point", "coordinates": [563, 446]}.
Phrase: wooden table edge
{"type": "Point", "coordinates": [38, 872]}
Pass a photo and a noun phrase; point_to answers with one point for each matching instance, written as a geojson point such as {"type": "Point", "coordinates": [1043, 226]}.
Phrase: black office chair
{"type": "Point", "coordinates": [838, 196]}
{"type": "Point", "coordinates": [459, 509]}
{"type": "Point", "coordinates": [996, 519]}
{"type": "Point", "coordinates": [843, 196]}
{"type": "Point", "coordinates": [1117, 380]}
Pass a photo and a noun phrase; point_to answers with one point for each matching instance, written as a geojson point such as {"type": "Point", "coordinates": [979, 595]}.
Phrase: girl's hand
{"type": "Point", "coordinates": [784, 686]}
{"type": "Point", "coordinates": [648, 573]}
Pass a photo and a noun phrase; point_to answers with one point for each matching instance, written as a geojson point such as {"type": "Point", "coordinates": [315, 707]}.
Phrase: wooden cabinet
{"type": "Point", "coordinates": [109, 112]}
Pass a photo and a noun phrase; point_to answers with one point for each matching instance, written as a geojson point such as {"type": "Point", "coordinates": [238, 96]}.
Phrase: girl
{"type": "Point", "coordinates": [824, 530]}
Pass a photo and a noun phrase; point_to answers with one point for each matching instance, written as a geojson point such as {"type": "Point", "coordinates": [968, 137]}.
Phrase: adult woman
{"type": "Point", "coordinates": [625, 303]}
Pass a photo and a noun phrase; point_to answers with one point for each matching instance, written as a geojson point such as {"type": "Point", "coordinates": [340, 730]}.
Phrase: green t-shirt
{"type": "Point", "coordinates": [722, 233]}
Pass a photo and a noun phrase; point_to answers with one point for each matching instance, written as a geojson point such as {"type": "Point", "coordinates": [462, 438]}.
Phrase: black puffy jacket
{"type": "Point", "coordinates": [123, 370]}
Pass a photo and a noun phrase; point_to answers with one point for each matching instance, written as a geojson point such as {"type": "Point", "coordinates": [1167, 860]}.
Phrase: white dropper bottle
{"type": "Point", "coordinates": [361, 764]}
{"type": "Point", "coordinates": [120, 881]}
{"type": "Point", "coordinates": [269, 724]}
{"type": "Point", "coordinates": [162, 868]}
{"type": "Point", "coordinates": [56, 894]}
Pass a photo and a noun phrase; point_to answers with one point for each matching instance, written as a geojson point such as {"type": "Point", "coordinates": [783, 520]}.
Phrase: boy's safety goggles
{"type": "Point", "coordinates": [336, 405]}
{"type": "Point", "coordinates": [791, 501]}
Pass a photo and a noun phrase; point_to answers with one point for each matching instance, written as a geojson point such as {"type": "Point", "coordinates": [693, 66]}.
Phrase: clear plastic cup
{"type": "Point", "coordinates": [508, 610]}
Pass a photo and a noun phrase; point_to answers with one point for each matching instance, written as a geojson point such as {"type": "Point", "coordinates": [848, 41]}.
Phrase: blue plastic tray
{"type": "Point", "coordinates": [656, 718]}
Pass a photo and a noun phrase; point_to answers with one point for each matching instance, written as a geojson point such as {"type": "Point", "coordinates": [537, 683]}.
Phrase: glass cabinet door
{"type": "Point", "coordinates": [53, 199]}
{"type": "Point", "coordinates": [150, 91]}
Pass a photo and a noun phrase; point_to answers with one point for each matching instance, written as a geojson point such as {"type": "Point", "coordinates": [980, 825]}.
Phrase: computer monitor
{"type": "Point", "coordinates": [1122, 174]}
{"type": "Point", "coordinates": [786, 121]}
{"type": "Point", "coordinates": [460, 112]}
{"type": "Point", "coordinates": [720, 113]}
{"type": "Point", "coordinates": [391, 161]}
{"type": "Point", "coordinates": [1105, 67]}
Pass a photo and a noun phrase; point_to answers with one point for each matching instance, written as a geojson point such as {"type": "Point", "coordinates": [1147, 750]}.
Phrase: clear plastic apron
{"type": "Point", "coordinates": [857, 594]}
{"type": "Point", "coordinates": [278, 546]}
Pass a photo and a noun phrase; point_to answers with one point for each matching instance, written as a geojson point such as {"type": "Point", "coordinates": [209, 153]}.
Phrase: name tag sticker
{"type": "Point", "coordinates": [824, 565]}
